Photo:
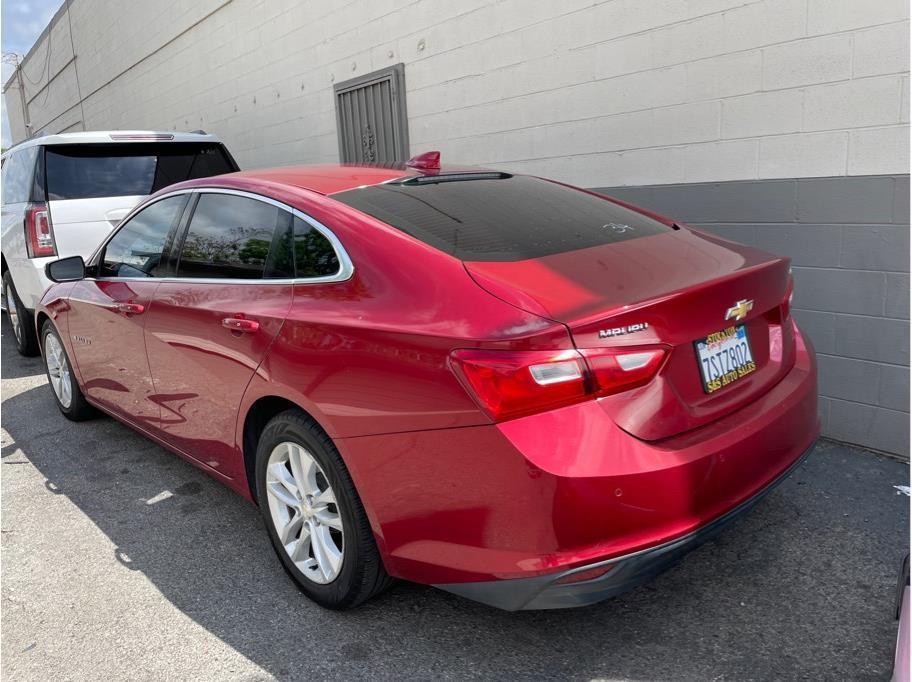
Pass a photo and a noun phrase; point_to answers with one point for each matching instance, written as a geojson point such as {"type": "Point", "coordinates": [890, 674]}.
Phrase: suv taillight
{"type": "Point", "coordinates": [39, 233]}
{"type": "Point", "coordinates": [510, 384]}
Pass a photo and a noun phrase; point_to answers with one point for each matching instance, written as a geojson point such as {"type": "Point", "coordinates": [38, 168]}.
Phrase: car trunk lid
{"type": "Point", "coordinates": [671, 289]}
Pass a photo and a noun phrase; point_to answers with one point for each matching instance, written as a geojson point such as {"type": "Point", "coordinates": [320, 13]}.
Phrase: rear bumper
{"type": "Point", "coordinates": [623, 574]}
{"type": "Point", "coordinates": [540, 497]}
{"type": "Point", "coordinates": [29, 279]}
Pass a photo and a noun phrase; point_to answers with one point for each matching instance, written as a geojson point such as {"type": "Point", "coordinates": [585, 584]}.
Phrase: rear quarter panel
{"type": "Point", "coordinates": [369, 355]}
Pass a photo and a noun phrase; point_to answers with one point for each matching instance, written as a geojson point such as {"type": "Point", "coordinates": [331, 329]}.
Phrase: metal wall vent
{"type": "Point", "coordinates": [371, 119]}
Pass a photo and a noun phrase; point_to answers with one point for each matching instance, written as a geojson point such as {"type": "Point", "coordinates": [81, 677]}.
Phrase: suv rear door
{"type": "Point", "coordinates": [91, 187]}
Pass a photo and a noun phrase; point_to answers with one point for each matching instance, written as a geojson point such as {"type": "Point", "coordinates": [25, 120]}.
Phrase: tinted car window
{"type": "Point", "coordinates": [314, 255]}
{"type": "Point", "coordinates": [229, 237]}
{"type": "Point", "coordinates": [18, 175]}
{"type": "Point", "coordinates": [136, 249]}
{"type": "Point", "coordinates": [501, 217]}
{"type": "Point", "coordinates": [109, 170]}
{"type": "Point", "coordinates": [299, 250]}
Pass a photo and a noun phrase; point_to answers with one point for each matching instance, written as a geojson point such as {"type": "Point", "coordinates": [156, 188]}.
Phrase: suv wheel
{"type": "Point", "coordinates": [314, 516]}
{"type": "Point", "coordinates": [20, 319]}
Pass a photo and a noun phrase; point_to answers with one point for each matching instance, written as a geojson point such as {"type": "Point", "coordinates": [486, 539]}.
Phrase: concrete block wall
{"type": "Point", "coordinates": [848, 238]}
{"type": "Point", "coordinates": [596, 92]}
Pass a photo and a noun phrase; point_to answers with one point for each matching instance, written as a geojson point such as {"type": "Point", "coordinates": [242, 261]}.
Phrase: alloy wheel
{"type": "Point", "coordinates": [58, 369]}
{"type": "Point", "coordinates": [304, 512]}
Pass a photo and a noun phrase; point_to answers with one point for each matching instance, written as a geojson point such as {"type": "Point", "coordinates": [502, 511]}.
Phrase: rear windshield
{"type": "Point", "coordinates": [501, 218]}
{"type": "Point", "coordinates": [86, 171]}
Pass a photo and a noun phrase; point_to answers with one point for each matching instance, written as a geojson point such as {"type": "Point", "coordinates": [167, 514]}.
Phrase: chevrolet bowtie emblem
{"type": "Point", "coordinates": [740, 310]}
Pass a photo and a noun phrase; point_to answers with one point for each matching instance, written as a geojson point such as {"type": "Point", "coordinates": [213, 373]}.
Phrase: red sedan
{"type": "Point", "coordinates": [522, 392]}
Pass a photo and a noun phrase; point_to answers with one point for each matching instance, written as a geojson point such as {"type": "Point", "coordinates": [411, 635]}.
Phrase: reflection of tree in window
{"type": "Point", "coordinates": [228, 237]}
{"type": "Point", "coordinates": [314, 255]}
{"type": "Point", "coordinates": [241, 244]}
{"type": "Point", "coordinates": [255, 250]}
{"type": "Point", "coordinates": [135, 251]}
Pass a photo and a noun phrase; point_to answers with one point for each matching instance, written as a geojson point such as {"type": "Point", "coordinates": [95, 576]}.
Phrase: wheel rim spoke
{"type": "Point", "coordinates": [279, 472]}
{"type": "Point", "coordinates": [329, 558]}
{"type": "Point", "coordinates": [58, 370]}
{"type": "Point", "coordinates": [325, 497]}
{"type": "Point", "coordinates": [304, 512]}
{"type": "Point", "coordinates": [300, 551]}
{"type": "Point", "coordinates": [280, 493]}
{"type": "Point", "coordinates": [65, 385]}
{"type": "Point", "coordinates": [291, 529]}
{"type": "Point", "coordinates": [328, 518]}
{"type": "Point", "coordinates": [304, 469]}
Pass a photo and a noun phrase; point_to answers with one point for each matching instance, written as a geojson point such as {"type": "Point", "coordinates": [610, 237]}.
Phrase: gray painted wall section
{"type": "Point", "coordinates": [848, 238]}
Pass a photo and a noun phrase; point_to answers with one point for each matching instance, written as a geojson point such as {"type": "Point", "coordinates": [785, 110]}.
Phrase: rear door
{"type": "Point", "coordinates": [108, 312]}
{"type": "Point", "coordinates": [91, 187]}
{"type": "Point", "coordinates": [210, 326]}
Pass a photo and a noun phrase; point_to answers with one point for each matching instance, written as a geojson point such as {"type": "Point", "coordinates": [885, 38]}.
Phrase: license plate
{"type": "Point", "coordinates": [724, 357]}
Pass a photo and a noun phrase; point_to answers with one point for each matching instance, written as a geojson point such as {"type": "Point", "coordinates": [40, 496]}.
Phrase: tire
{"type": "Point", "coordinates": [20, 318]}
{"type": "Point", "coordinates": [67, 394]}
{"type": "Point", "coordinates": [338, 531]}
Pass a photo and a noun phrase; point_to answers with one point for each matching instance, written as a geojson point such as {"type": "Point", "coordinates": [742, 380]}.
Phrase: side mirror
{"type": "Point", "coordinates": [66, 269]}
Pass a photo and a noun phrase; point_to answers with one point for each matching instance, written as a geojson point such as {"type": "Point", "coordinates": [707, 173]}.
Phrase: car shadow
{"type": "Point", "coordinates": [760, 601]}
{"type": "Point", "coordinates": [15, 366]}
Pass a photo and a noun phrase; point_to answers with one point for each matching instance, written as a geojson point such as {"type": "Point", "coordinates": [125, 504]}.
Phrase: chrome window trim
{"type": "Point", "coordinates": [346, 267]}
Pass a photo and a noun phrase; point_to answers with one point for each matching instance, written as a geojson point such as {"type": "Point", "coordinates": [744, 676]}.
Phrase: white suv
{"type": "Point", "coordinates": [63, 194]}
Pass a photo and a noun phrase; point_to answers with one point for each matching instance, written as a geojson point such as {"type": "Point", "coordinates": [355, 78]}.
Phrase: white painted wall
{"type": "Point", "coordinates": [601, 93]}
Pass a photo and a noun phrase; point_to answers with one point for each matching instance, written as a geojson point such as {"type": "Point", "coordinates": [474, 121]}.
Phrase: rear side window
{"type": "Point", "coordinates": [498, 217]}
{"type": "Point", "coordinates": [19, 175]}
{"type": "Point", "coordinates": [231, 237]}
{"type": "Point", "coordinates": [85, 171]}
{"type": "Point", "coordinates": [300, 250]}
{"type": "Point", "coordinates": [136, 249]}
{"type": "Point", "coordinates": [314, 255]}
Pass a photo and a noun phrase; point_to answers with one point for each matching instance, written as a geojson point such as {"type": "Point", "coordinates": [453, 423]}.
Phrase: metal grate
{"type": "Point", "coordinates": [371, 118]}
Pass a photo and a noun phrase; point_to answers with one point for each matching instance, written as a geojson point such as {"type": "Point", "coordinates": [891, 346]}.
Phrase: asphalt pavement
{"type": "Point", "coordinates": [120, 560]}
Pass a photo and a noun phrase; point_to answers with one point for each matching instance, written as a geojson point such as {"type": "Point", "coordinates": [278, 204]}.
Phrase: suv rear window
{"type": "Point", "coordinates": [85, 171]}
{"type": "Point", "coordinates": [499, 217]}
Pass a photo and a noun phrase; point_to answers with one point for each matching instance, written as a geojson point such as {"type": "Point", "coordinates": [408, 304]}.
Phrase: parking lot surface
{"type": "Point", "coordinates": [121, 560]}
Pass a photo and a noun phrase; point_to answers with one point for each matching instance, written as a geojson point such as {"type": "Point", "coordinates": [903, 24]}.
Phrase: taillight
{"type": "Point", "coordinates": [615, 370]}
{"type": "Point", "coordinates": [786, 305]}
{"type": "Point", "coordinates": [510, 384]}
{"type": "Point", "coordinates": [39, 234]}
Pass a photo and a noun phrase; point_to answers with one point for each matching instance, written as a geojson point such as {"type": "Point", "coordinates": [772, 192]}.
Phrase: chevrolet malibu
{"type": "Point", "coordinates": [515, 390]}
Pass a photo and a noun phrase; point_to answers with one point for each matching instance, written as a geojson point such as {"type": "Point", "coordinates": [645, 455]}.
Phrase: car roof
{"type": "Point", "coordinates": [322, 178]}
{"type": "Point", "coordinates": [114, 137]}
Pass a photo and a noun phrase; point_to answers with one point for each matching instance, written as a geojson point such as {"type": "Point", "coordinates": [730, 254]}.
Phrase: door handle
{"type": "Point", "coordinates": [130, 308]}
{"type": "Point", "coordinates": [237, 324]}
{"type": "Point", "coordinates": [114, 216]}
